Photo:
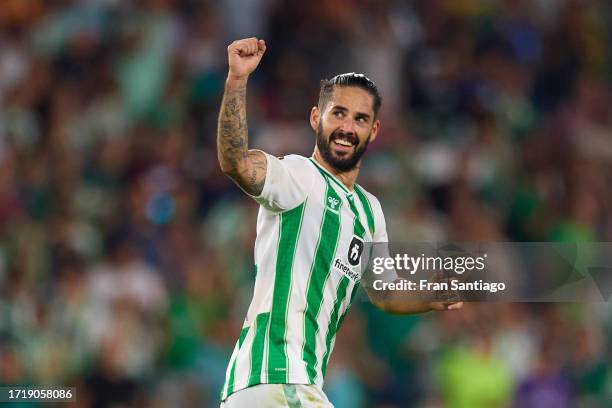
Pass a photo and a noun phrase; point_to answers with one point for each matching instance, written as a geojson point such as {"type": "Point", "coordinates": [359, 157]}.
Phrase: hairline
{"type": "Point", "coordinates": [374, 115]}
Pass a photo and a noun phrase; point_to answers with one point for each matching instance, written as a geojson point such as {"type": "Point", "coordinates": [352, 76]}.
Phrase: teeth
{"type": "Point", "coordinates": [343, 142]}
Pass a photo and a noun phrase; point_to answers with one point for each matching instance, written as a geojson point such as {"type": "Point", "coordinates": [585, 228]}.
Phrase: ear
{"type": "Point", "coordinates": [375, 128]}
{"type": "Point", "coordinates": [315, 118]}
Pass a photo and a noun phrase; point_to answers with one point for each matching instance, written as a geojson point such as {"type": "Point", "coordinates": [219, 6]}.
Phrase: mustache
{"type": "Point", "coordinates": [349, 137]}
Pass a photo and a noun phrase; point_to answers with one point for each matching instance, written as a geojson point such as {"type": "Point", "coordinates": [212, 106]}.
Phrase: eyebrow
{"type": "Point", "coordinates": [358, 114]}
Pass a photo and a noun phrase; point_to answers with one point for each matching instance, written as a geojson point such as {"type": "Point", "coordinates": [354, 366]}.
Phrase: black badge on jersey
{"type": "Point", "coordinates": [355, 250]}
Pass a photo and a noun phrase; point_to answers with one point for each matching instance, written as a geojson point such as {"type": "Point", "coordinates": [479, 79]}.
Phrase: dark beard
{"type": "Point", "coordinates": [341, 164]}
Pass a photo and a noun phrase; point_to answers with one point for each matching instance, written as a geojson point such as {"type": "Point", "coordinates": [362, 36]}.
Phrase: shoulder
{"type": "Point", "coordinates": [373, 207]}
{"type": "Point", "coordinates": [289, 181]}
{"type": "Point", "coordinates": [293, 165]}
{"type": "Point", "coordinates": [302, 168]}
{"type": "Point", "coordinates": [292, 171]}
{"type": "Point", "coordinates": [295, 160]}
{"type": "Point", "coordinates": [370, 199]}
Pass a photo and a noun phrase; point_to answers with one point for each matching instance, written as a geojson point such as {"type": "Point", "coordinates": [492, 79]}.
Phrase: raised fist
{"type": "Point", "coordinates": [244, 56]}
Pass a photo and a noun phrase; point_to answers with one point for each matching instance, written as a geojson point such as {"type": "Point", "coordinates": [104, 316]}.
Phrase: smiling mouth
{"type": "Point", "coordinates": [342, 139]}
{"type": "Point", "coordinates": [342, 147]}
{"type": "Point", "coordinates": [343, 142]}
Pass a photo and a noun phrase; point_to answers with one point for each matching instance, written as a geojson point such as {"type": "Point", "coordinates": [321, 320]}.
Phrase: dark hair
{"type": "Point", "coordinates": [349, 79]}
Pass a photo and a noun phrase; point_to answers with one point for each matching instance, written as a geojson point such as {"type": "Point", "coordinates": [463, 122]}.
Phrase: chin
{"type": "Point", "coordinates": [342, 158]}
{"type": "Point", "coordinates": [343, 165]}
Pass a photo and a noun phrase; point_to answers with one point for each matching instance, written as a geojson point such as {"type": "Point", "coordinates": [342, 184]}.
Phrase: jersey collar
{"type": "Point", "coordinates": [332, 177]}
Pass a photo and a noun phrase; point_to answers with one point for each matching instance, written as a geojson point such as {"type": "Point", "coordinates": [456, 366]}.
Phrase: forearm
{"type": "Point", "coordinates": [232, 130]}
{"type": "Point", "coordinates": [246, 167]}
{"type": "Point", "coordinates": [391, 302]}
{"type": "Point", "coordinates": [397, 303]}
{"type": "Point", "coordinates": [404, 307]}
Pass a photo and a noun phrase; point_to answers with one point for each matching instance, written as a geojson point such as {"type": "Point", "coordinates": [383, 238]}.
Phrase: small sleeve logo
{"type": "Point", "coordinates": [355, 250]}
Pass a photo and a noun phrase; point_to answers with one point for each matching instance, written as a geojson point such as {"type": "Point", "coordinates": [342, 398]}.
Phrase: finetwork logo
{"type": "Point", "coordinates": [346, 270]}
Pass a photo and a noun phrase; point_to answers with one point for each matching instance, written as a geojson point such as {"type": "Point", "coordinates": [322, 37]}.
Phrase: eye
{"type": "Point", "coordinates": [361, 119]}
{"type": "Point", "coordinates": [338, 114]}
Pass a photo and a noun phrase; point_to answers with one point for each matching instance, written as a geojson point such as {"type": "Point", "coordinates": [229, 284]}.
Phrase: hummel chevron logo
{"type": "Point", "coordinates": [333, 203]}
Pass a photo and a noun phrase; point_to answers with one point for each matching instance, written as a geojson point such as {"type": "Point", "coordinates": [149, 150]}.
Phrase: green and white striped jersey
{"type": "Point", "coordinates": [310, 235]}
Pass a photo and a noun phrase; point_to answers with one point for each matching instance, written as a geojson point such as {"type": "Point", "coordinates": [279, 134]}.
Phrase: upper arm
{"type": "Point", "coordinates": [380, 249]}
{"type": "Point", "coordinates": [250, 173]}
{"type": "Point", "coordinates": [380, 234]}
{"type": "Point", "coordinates": [377, 274]}
{"type": "Point", "coordinates": [277, 184]}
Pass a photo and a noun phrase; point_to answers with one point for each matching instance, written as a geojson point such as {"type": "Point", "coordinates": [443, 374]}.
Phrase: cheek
{"type": "Point", "coordinates": [331, 122]}
{"type": "Point", "coordinates": [364, 134]}
{"type": "Point", "coordinates": [327, 128]}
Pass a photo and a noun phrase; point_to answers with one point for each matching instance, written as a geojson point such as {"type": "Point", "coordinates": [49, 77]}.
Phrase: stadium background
{"type": "Point", "coordinates": [126, 256]}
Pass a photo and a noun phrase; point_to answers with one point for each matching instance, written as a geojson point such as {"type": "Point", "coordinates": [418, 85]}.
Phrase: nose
{"type": "Point", "coordinates": [347, 126]}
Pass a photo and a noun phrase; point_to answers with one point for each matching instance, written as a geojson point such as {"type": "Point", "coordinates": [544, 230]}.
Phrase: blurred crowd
{"type": "Point", "coordinates": [126, 255]}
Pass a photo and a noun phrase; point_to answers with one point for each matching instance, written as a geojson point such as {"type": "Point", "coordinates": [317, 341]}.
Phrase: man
{"type": "Point", "coordinates": [311, 228]}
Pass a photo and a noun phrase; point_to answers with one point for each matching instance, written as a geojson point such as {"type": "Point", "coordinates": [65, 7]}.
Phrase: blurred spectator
{"type": "Point", "coordinates": [126, 256]}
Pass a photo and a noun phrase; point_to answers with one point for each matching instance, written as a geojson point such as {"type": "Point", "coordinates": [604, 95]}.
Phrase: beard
{"type": "Point", "coordinates": [340, 163]}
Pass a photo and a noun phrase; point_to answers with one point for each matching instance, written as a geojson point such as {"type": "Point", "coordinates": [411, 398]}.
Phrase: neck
{"type": "Point", "coordinates": [348, 178]}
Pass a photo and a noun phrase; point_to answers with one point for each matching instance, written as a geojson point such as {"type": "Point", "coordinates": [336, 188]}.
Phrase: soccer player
{"type": "Point", "coordinates": [312, 225]}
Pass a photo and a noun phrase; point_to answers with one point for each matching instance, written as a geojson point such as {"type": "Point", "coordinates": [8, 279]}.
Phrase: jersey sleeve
{"type": "Point", "coordinates": [377, 269]}
{"type": "Point", "coordinates": [380, 247]}
{"type": "Point", "coordinates": [288, 183]}
{"type": "Point", "coordinates": [380, 231]}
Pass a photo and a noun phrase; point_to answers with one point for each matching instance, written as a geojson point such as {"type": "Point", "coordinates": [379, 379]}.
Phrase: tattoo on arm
{"type": "Point", "coordinates": [232, 132]}
{"type": "Point", "coordinates": [246, 167]}
{"type": "Point", "coordinates": [257, 175]}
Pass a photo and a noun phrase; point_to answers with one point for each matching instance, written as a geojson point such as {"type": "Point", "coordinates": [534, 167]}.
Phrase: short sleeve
{"type": "Point", "coordinates": [380, 231]}
{"type": "Point", "coordinates": [376, 270]}
{"type": "Point", "coordinates": [288, 182]}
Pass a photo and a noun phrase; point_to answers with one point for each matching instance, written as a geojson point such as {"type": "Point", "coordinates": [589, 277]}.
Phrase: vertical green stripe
{"type": "Point", "coordinates": [230, 387]}
{"type": "Point", "coordinates": [290, 391]}
{"type": "Point", "coordinates": [319, 273]}
{"type": "Point", "coordinates": [367, 208]}
{"type": "Point", "coordinates": [358, 228]}
{"type": "Point", "coordinates": [352, 298]}
{"type": "Point", "coordinates": [341, 292]}
{"type": "Point", "coordinates": [257, 350]}
{"type": "Point", "coordinates": [290, 225]}
{"type": "Point", "coordinates": [333, 320]}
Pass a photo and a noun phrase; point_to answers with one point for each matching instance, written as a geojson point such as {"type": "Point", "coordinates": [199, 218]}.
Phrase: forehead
{"type": "Point", "coordinates": [352, 98]}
